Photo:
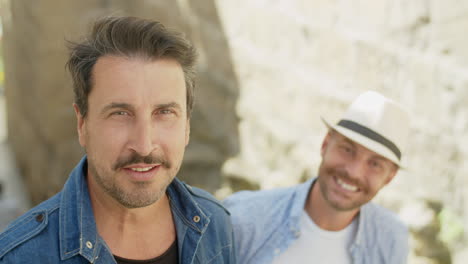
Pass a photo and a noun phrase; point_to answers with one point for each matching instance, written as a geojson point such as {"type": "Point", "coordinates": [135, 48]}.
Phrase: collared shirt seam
{"type": "Point", "coordinates": [219, 253]}
{"type": "Point", "coordinates": [81, 217]}
{"type": "Point", "coordinates": [69, 253]}
{"type": "Point", "coordinates": [184, 219]}
{"type": "Point", "coordinates": [360, 235]}
{"type": "Point", "coordinates": [208, 200]}
{"type": "Point", "coordinates": [296, 214]}
{"type": "Point", "coordinates": [19, 224]}
{"type": "Point", "coordinates": [189, 190]}
{"type": "Point", "coordinates": [74, 251]}
{"type": "Point", "coordinates": [62, 227]}
{"type": "Point", "coordinates": [27, 219]}
{"type": "Point", "coordinates": [23, 238]}
{"type": "Point", "coordinates": [29, 234]}
{"type": "Point", "coordinates": [201, 210]}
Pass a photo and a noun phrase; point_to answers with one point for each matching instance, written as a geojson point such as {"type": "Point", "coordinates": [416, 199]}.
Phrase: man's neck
{"type": "Point", "coordinates": [140, 233]}
{"type": "Point", "coordinates": [325, 216]}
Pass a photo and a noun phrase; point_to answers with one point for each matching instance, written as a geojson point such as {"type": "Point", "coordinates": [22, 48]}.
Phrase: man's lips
{"type": "Point", "coordinates": [346, 186]}
{"type": "Point", "coordinates": [142, 167]}
{"type": "Point", "coordinates": [141, 172]}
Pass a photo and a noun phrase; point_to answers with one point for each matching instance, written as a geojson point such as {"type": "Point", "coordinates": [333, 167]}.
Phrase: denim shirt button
{"type": "Point", "coordinates": [89, 245]}
{"type": "Point", "coordinates": [39, 217]}
{"type": "Point", "coordinates": [277, 251]}
{"type": "Point", "coordinates": [196, 219]}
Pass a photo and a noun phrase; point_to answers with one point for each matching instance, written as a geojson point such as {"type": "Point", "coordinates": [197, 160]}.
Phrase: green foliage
{"type": "Point", "coordinates": [451, 226]}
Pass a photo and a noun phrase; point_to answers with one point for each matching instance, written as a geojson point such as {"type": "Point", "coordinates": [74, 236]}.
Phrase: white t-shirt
{"type": "Point", "coordinates": [316, 245]}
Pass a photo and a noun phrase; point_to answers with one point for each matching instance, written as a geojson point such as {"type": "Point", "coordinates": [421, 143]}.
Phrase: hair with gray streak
{"type": "Point", "coordinates": [128, 37]}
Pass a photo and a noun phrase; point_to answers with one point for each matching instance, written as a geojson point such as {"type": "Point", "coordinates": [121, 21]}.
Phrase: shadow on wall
{"type": "Point", "coordinates": [41, 122]}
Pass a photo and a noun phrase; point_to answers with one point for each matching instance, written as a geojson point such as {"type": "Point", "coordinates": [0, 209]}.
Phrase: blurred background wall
{"type": "Point", "coordinates": [268, 71]}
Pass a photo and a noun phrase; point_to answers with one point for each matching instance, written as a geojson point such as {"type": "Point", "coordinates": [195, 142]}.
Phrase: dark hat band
{"type": "Point", "coordinates": [371, 135]}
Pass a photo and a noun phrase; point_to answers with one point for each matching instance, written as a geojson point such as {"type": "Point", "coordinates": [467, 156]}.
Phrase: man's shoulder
{"type": "Point", "coordinates": [262, 219]}
{"type": "Point", "coordinates": [384, 217]}
{"type": "Point", "coordinates": [216, 245]}
{"type": "Point", "coordinates": [384, 226]}
{"type": "Point", "coordinates": [385, 233]}
{"type": "Point", "coordinates": [20, 234]}
{"type": "Point", "coordinates": [206, 200]}
{"type": "Point", "coordinates": [260, 205]}
{"type": "Point", "coordinates": [248, 199]}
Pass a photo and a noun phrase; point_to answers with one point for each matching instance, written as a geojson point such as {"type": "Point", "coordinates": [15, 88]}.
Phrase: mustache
{"type": "Point", "coordinates": [136, 158]}
{"type": "Point", "coordinates": [341, 173]}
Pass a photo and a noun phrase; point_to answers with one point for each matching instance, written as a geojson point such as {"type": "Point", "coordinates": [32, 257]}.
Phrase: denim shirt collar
{"type": "Point", "coordinates": [78, 233]}
{"type": "Point", "coordinates": [185, 208]}
{"type": "Point", "coordinates": [360, 235]}
{"type": "Point", "coordinates": [190, 220]}
{"type": "Point", "coordinates": [298, 206]}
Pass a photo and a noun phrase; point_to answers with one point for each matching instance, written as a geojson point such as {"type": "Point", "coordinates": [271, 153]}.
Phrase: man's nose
{"type": "Point", "coordinates": [143, 137]}
{"type": "Point", "coordinates": [356, 169]}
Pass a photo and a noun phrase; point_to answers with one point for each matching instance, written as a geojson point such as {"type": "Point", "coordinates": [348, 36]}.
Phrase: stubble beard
{"type": "Point", "coordinates": [141, 195]}
{"type": "Point", "coordinates": [326, 178]}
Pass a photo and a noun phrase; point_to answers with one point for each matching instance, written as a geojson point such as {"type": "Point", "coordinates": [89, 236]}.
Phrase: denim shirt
{"type": "Point", "coordinates": [63, 229]}
{"type": "Point", "coordinates": [266, 223]}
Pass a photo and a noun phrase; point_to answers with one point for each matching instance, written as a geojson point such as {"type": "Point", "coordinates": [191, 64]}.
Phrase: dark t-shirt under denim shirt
{"type": "Point", "coordinates": [170, 256]}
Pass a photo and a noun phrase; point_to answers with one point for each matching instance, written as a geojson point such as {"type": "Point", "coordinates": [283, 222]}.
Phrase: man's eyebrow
{"type": "Point", "coordinates": [349, 141]}
{"type": "Point", "coordinates": [115, 105]}
{"type": "Point", "coordinates": [375, 156]}
{"type": "Point", "coordinates": [382, 158]}
{"type": "Point", "coordinates": [168, 105]}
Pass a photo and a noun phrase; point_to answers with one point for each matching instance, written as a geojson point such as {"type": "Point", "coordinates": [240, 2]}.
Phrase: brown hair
{"type": "Point", "coordinates": [128, 37]}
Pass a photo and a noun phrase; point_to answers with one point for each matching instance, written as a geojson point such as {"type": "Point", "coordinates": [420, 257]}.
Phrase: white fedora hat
{"type": "Point", "coordinates": [377, 123]}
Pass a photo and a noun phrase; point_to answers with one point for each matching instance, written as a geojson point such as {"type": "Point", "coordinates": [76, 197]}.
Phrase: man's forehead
{"type": "Point", "coordinates": [133, 81]}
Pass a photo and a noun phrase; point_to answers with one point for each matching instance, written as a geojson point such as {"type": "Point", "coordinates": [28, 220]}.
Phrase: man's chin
{"type": "Point", "coordinates": [345, 206]}
{"type": "Point", "coordinates": [133, 202]}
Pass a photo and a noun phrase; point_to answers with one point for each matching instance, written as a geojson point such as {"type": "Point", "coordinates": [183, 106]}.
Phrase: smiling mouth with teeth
{"type": "Point", "coordinates": [346, 186]}
{"type": "Point", "coordinates": [141, 169]}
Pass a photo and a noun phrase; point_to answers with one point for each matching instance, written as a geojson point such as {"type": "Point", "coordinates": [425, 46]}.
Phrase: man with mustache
{"type": "Point", "coordinates": [329, 219]}
{"type": "Point", "coordinates": [133, 81]}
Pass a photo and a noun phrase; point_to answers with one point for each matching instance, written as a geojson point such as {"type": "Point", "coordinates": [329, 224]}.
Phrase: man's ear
{"type": "Point", "coordinates": [392, 174]}
{"type": "Point", "coordinates": [187, 132]}
{"type": "Point", "coordinates": [80, 124]}
{"type": "Point", "coordinates": [325, 143]}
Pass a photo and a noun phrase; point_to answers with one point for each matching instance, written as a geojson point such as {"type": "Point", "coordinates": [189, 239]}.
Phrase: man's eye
{"type": "Point", "coordinates": [120, 113]}
{"type": "Point", "coordinates": [165, 111]}
{"type": "Point", "coordinates": [375, 164]}
{"type": "Point", "coordinates": [345, 149]}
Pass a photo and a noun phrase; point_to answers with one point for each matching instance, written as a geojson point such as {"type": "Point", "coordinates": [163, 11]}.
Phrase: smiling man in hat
{"type": "Point", "coordinates": [330, 219]}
